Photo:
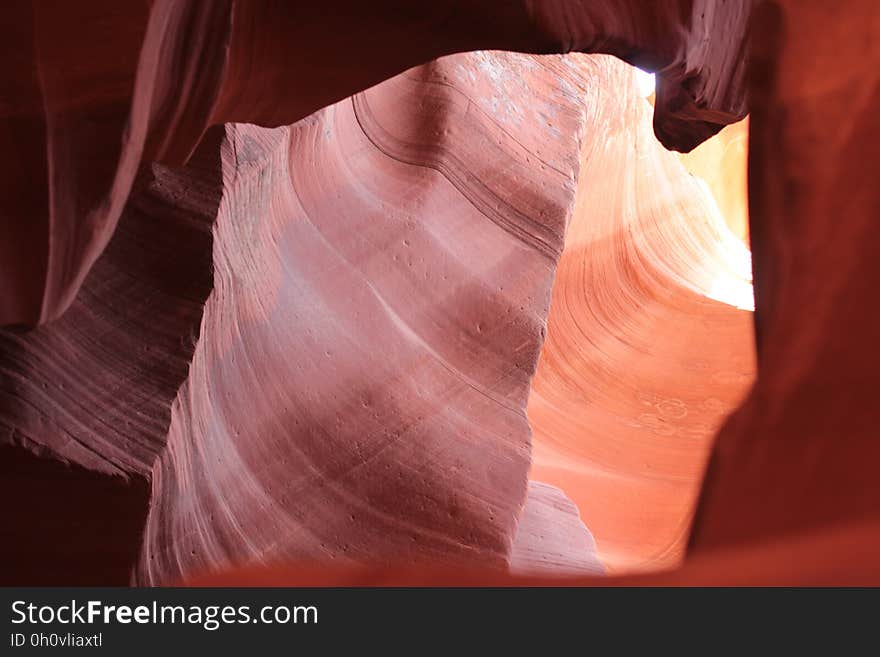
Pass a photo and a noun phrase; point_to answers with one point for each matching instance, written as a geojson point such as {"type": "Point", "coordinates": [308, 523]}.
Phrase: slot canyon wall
{"type": "Point", "coordinates": [372, 300]}
{"type": "Point", "coordinates": [646, 348]}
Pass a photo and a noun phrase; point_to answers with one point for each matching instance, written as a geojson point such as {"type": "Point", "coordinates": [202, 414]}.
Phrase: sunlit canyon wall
{"type": "Point", "coordinates": [453, 314]}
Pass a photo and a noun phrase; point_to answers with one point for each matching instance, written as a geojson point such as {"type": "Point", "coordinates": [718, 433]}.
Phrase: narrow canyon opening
{"type": "Point", "coordinates": [339, 287]}
{"type": "Point", "coordinates": [477, 314]}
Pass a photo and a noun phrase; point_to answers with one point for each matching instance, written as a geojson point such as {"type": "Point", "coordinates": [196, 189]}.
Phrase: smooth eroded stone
{"type": "Point", "coordinates": [382, 279]}
{"type": "Point", "coordinates": [84, 111]}
{"type": "Point", "coordinates": [85, 401]}
{"type": "Point", "coordinates": [550, 538]}
{"type": "Point", "coordinates": [649, 340]}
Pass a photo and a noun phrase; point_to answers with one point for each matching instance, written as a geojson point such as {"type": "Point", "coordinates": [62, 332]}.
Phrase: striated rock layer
{"type": "Point", "coordinates": [646, 348]}
{"type": "Point", "coordinates": [141, 82]}
{"type": "Point", "coordinates": [85, 402]}
{"type": "Point", "coordinates": [477, 159]}
{"type": "Point", "coordinates": [550, 538]}
{"type": "Point", "coordinates": [721, 162]}
{"type": "Point", "coordinates": [378, 307]}
{"type": "Point", "coordinates": [428, 213]}
{"type": "Point", "coordinates": [790, 496]}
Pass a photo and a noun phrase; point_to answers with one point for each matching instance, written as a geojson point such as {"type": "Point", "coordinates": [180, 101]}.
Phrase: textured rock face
{"type": "Point", "coordinates": [550, 538]}
{"type": "Point", "coordinates": [378, 305]}
{"type": "Point", "coordinates": [86, 113]}
{"type": "Point", "coordinates": [307, 335]}
{"type": "Point", "coordinates": [141, 83]}
{"type": "Point", "coordinates": [646, 350]}
{"type": "Point", "coordinates": [720, 162]}
{"type": "Point", "coordinates": [427, 213]}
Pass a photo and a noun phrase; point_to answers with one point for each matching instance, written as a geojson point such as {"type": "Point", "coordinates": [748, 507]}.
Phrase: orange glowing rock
{"type": "Point", "coordinates": [646, 349]}
{"type": "Point", "coordinates": [276, 278]}
{"type": "Point", "coordinates": [720, 162]}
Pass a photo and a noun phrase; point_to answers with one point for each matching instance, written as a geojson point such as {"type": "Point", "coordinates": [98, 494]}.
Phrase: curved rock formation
{"type": "Point", "coordinates": [646, 349]}
{"type": "Point", "coordinates": [844, 557]}
{"type": "Point", "coordinates": [141, 83]}
{"type": "Point", "coordinates": [720, 162]}
{"type": "Point", "coordinates": [379, 304]}
{"type": "Point", "coordinates": [550, 538]}
{"type": "Point", "coordinates": [359, 224]}
{"type": "Point", "coordinates": [340, 376]}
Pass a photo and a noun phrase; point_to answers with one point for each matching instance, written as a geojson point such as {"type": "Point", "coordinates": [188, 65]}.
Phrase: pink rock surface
{"type": "Point", "coordinates": [378, 307]}
{"type": "Point", "coordinates": [141, 82]}
{"type": "Point", "coordinates": [353, 391]}
{"type": "Point", "coordinates": [85, 401]}
{"type": "Point", "coordinates": [550, 538]}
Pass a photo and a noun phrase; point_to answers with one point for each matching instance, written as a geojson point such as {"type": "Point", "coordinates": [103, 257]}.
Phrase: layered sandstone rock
{"type": "Point", "coordinates": [139, 83]}
{"type": "Point", "coordinates": [649, 337]}
{"type": "Point", "coordinates": [85, 401]}
{"type": "Point", "coordinates": [382, 280]}
{"type": "Point", "coordinates": [551, 539]}
{"type": "Point", "coordinates": [341, 375]}
{"type": "Point", "coordinates": [426, 214]}
{"type": "Point", "coordinates": [720, 162]}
